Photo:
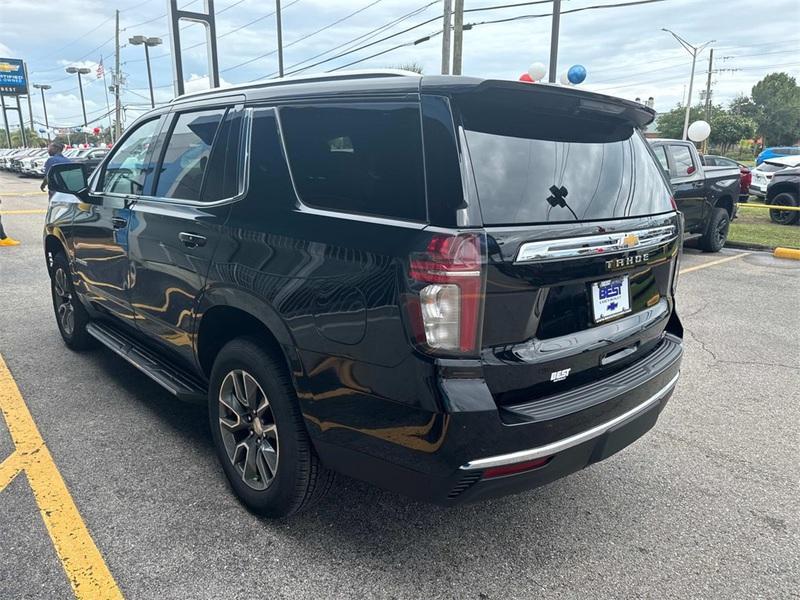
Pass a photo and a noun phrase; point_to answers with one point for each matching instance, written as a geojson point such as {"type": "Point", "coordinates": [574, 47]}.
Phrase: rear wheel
{"type": "Point", "coordinates": [259, 433]}
{"type": "Point", "coordinates": [784, 217]}
{"type": "Point", "coordinates": [716, 234]}
{"type": "Point", "coordinates": [71, 316]}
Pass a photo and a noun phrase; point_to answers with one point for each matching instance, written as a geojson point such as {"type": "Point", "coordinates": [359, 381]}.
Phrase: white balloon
{"type": "Point", "coordinates": [565, 78]}
{"type": "Point", "coordinates": [699, 131]}
{"type": "Point", "coordinates": [537, 71]}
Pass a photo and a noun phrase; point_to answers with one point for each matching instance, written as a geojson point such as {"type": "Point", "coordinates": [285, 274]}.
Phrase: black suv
{"type": "Point", "coordinates": [451, 287]}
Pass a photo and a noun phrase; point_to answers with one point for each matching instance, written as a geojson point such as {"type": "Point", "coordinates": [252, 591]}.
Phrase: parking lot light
{"type": "Point", "coordinates": [147, 42]}
{"type": "Point", "coordinates": [42, 87]}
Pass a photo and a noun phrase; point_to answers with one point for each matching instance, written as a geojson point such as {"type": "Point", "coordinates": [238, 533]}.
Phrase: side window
{"type": "Point", "coordinates": [268, 170]}
{"type": "Point", "coordinates": [225, 162]}
{"type": "Point", "coordinates": [661, 155]}
{"type": "Point", "coordinates": [186, 155]}
{"type": "Point", "coordinates": [682, 157]}
{"type": "Point", "coordinates": [362, 158]}
{"type": "Point", "coordinates": [130, 164]}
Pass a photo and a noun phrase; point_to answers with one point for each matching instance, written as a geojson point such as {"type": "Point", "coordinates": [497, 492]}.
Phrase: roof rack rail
{"type": "Point", "coordinates": [338, 76]}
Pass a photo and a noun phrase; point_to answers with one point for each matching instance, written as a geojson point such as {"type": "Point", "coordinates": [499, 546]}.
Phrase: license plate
{"type": "Point", "coordinates": [610, 298]}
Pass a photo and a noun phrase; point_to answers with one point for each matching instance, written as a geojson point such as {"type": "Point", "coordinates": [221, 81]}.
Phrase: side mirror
{"type": "Point", "coordinates": [69, 178]}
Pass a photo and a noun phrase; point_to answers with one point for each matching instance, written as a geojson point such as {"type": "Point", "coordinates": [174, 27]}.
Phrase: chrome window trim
{"type": "Point", "coordinates": [569, 442]}
{"type": "Point", "coordinates": [244, 175]}
{"type": "Point", "coordinates": [594, 245]}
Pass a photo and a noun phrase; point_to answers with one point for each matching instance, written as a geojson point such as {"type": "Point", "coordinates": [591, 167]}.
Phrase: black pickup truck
{"type": "Point", "coordinates": [705, 195]}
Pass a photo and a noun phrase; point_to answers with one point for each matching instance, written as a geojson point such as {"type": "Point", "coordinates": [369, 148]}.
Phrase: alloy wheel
{"type": "Point", "coordinates": [64, 308]}
{"type": "Point", "coordinates": [248, 429]}
{"type": "Point", "coordinates": [722, 231]}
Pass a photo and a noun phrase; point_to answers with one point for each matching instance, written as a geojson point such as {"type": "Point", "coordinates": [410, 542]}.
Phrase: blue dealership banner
{"type": "Point", "coordinates": [12, 77]}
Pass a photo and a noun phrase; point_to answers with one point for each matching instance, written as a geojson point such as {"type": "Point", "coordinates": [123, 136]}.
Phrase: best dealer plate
{"type": "Point", "coordinates": [610, 298]}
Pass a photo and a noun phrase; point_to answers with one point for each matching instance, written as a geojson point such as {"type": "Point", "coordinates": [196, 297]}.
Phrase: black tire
{"type": "Point", "coordinates": [716, 234]}
{"type": "Point", "coordinates": [784, 217]}
{"type": "Point", "coordinates": [293, 478]}
{"type": "Point", "coordinates": [71, 316]}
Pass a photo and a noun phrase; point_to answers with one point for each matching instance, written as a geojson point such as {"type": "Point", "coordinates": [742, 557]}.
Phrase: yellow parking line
{"type": "Point", "coordinates": [713, 262]}
{"type": "Point", "coordinates": [84, 565]}
{"type": "Point", "coordinates": [27, 211]}
{"type": "Point", "coordinates": [12, 195]}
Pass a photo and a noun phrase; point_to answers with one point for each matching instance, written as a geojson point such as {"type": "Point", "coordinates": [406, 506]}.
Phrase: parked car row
{"type": "Point", "coordinates": [30, 161]}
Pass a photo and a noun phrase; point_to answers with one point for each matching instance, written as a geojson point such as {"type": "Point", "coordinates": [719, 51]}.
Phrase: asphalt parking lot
{"type": "Point", "coordinates": [706, 505]}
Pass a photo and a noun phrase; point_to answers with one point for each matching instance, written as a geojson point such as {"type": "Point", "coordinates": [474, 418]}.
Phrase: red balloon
{"type": "Point", "coordinates": [526, 78]}
{"type": "Point", "coordinates": [96, 130]}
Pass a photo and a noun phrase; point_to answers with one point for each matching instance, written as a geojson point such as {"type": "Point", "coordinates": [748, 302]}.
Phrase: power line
{"type": "Point", "coordinates": [564, 12]}
{"type": "Point", "coordinates": [305, 37]}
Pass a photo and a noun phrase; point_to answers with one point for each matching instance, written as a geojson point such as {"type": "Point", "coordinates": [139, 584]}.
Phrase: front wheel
{"type": "Point", "coordinates": [259, 433]}
{"type": "Point", "coordinates": [784, 217]}
{"type": "Point", "coordinates": [71, 316]}
{"type": "Point", "coordinates": [717, 231]}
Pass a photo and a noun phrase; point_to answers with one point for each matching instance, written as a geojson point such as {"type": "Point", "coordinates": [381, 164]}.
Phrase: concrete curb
{"type": "Point", "coordinates": [790, 253]}
{"type": "Point", "coordinates": [747, 246]}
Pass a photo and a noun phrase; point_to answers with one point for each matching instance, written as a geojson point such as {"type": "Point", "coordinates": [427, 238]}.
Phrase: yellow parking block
{"type": "Point", "coordinates": [792, 253]}
{"type": "Point", "coordinates": [85, 567]}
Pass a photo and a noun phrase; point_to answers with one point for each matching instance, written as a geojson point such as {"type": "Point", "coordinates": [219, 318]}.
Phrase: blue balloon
{"type": "Point", "coordinates": [576, 74]}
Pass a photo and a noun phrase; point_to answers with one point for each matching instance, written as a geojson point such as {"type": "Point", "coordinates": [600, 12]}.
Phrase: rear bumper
{"type": "Point", "coordinates": [571, 431]}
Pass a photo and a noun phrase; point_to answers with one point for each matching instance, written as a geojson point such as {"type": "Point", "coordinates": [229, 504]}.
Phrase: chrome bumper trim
{"type": "Point", "coordinates": [566, 443]}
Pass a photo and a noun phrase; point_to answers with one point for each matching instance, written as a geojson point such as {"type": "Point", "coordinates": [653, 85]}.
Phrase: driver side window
{"type": "Point", "coordinates": [127, 170]}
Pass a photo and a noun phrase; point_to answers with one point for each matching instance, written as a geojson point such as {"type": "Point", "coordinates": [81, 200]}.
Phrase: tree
{"type": "Point", "coordinates": [777, 100]}
{"type": "Point", "coordinates": [412, 66]}
{"type": "Point", "coordinates": [670, 124]}
{"type": "Point", "coordinates": [728, 129]}
{"type": "Point", "coordinates": [743, 106]}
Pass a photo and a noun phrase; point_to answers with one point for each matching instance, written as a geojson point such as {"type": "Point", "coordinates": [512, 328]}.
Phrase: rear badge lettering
{"type": "Point", "coordinates": [560, 375]}
{"type": "Point", "coordinates": [628, 261]}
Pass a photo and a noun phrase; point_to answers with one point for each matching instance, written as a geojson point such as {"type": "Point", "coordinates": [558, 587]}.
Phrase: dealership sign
{"type": "Point", "coordinates": [12, 77]}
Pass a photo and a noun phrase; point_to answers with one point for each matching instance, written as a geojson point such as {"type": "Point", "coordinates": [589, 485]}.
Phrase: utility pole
{"type": "Point", "coordinates": [5, 119]}
{"type": "Point", "coordinates": [551, 76]}
{"type": "Point", "coordinates": [694, 51]}
{"type": "Point", "coordinates": [708, 95]}
{"type": "Point", "coordinates": [280, 37]}
{"type": "Point", "coordinates": [116, 80]}
{"type": "Point", "coordinates": [458, 36]}
{"type": "Point", "coordinates": [448, 11]}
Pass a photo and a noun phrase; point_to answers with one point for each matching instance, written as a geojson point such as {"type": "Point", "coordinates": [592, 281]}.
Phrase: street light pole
{"type": "Point", "coordinates": [694, 51]}
{"type": "Point", "coordinates": [147, 42]}
{"type": "Point", "coordinates": [42, 87]}
{"type": "Point", "coordinates": [280, 36]}
{"type": "Point", "coordinates": [81, 71]}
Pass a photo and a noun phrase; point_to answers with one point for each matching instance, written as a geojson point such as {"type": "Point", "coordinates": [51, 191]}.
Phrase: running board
{"type": "Point", "coordinates": [181, 384]}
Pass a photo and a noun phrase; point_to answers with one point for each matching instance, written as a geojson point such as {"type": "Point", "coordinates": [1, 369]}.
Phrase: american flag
{"type": "Point", "coordinates": [100, 69]}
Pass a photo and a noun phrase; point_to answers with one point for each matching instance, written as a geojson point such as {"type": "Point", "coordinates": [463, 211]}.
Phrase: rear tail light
{"type": "Point", "coordinates": [449, 278]}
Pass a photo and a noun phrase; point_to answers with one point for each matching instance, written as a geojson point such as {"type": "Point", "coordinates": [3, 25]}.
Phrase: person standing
{"type": "Point", "coordinates": [55, 150]}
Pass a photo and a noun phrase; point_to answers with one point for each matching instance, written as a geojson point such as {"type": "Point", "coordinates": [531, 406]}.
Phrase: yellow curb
{"type": "Point", "coordinates": [769, 206]}
{"type": "Point", "coordinates": [791, 253]}
{"type": "Point", "coordinates": [27, 211]}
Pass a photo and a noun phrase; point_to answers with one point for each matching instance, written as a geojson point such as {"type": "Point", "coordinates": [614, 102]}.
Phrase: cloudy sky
{"type": "Point", "coordinates": [623, 49]}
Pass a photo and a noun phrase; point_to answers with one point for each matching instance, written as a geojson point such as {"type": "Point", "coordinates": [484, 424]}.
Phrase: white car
{"type": "Point", "coordinates": [762, 174]}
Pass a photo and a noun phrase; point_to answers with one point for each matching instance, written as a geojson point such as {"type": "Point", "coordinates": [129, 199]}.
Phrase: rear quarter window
{"type": "Point", "coordinates": [363, 158]}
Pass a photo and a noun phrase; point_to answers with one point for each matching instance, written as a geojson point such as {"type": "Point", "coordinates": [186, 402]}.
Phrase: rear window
{"type": "Point", "coordinates": [767, 167]}
{"type": "Point", "coordinates": [531, 166]}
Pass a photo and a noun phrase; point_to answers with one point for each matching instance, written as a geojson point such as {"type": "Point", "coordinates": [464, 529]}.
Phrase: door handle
{"type": "Point", "coordinates": [191, 240]}
{"type": "Point", "coordinates": [119, 222]}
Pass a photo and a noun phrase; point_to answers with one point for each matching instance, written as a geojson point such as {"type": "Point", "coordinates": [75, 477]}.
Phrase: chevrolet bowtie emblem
{"type": "Point", "coordinates": [8, 68]}
{"type": "Point", "coordinates": [630, 240]}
